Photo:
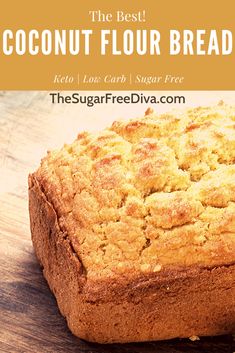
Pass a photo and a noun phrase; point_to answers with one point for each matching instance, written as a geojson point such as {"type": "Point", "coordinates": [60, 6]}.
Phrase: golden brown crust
{"type": "Point", "coordinates": [148, 193]}
{"type": "Point", "coordinates": [176, 303]}
{"type": "Point", "coordinates": [139, 219]}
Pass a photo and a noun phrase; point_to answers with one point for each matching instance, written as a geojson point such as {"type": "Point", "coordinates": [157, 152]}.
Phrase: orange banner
{"type": "Point", "coordinates": [121, 45]}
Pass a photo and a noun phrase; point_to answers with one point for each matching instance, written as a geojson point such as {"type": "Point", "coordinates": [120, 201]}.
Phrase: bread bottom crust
{"type": "Point", "coordinates": [199, 301]}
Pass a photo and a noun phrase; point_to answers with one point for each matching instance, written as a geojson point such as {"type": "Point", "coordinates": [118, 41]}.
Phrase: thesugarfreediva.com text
{"type": "Point", "coordinates": [132, 98]}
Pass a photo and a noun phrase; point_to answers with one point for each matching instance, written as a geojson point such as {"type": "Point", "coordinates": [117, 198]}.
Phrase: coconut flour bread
{"type": "Point", "coordinates": [135, 227]}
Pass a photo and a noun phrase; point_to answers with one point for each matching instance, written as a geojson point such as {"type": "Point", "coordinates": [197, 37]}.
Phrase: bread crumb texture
{"type": "Point", "coordinates": [148, 193]}
{"type": "Point", "coordinates": [194, 338]}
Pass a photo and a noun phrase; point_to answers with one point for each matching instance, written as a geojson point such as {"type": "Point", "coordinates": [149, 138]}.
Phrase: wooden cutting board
{"type": "Point", "coordinates": [29, 318]}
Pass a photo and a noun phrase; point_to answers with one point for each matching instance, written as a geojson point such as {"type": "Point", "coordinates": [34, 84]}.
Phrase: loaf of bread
{"type": "Point", "coordinates": [135, 227]}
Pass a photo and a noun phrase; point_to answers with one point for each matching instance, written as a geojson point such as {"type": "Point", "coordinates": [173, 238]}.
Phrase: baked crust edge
{"type": "Point", "coordinates": [197, 301]}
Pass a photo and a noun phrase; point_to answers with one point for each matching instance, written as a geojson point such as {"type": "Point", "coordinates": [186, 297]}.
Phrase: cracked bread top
{"type": "Point", "coordinates": [149, 193]}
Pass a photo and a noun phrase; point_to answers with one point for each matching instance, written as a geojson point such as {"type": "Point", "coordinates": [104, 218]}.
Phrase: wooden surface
{"type": "Point", "coordinates": [29, 318]}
